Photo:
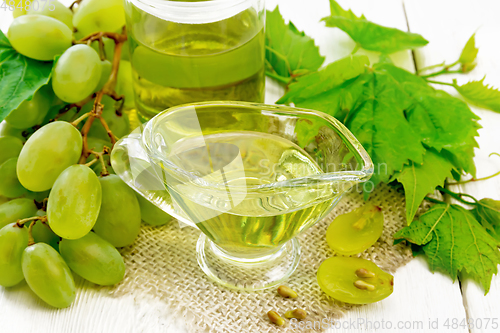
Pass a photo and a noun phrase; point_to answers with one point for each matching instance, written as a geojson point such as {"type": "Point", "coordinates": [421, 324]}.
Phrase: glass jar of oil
{"type": "Point", "coordinates": [185, 51]}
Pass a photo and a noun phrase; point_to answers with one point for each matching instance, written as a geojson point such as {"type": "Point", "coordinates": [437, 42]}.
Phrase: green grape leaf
{"type": "Point", "coordinates": [419, 115]}
{"type": "Point", "coordinates": [365, 105]}
{"type": "Point", "coordinates": [469, 54]}
{"type": "Point", "coordinates": [487, 212]}
{"type": "Point", "coordinates": [288, 50]}
{"type": "Point", "coordinates": [454, 241]}
{"type": "Point", "coordinates": [391, 144]}
{"type": "Point", "coordinates": [369, 35]}
{"type": "Point", "coordinates": [421, 179]}
{"type": "Point", "coordinates": [20, 77]}
{"type": "Point", "coordinates": [480, 94]}
{"type": "Point", "coordinates": [443, 122]}
{"type": "Point", "coordinates": [327, 78]}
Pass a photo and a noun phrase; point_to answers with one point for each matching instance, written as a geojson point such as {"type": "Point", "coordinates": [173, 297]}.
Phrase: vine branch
{"type": "Point", "coordinates": [108, 89]}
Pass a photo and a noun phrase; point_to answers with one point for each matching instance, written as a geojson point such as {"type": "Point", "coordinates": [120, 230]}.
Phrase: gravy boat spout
{"type": "Point", "coordinates": [250, 176]}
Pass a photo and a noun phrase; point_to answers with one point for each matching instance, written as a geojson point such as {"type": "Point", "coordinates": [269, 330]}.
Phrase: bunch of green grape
{"type": "Point", "coordinates": [49, 34]}
{"type": "Point", "coordinates": [60, 215]}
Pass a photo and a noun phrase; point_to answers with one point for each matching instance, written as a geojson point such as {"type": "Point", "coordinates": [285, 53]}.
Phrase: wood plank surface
{"type": "Point", "coordinates": [448, 25]}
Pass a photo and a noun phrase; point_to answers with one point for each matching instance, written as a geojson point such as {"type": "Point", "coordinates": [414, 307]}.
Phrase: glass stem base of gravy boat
{"type": "Point", "coordinates": [247, 274]}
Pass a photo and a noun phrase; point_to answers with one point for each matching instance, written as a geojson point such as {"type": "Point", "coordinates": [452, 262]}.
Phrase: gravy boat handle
{"type": "Point", "coordinates": [131, 163]}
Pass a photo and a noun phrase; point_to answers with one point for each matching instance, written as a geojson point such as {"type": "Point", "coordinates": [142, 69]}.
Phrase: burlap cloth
{"type": "Point", "coordinates": [162, 264]}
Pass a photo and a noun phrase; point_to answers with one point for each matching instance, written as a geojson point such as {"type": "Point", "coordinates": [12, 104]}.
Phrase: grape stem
{"type": "Point", "coordinates": [100, 157]}
{"type": "Point", "coordinates": [35, 219]}
{"type": "Point", "coordinates": [44, 204]}
{"type": "Point", "coordinates": [89, 164]}
{"type": "Point", "coordinates": [108, 89]}
{"type": "Point", "coordinates": [76, 2]}
{"type": "Point", "coordinates": [31, 240]}
{"type": "Point", "coordinates": [22, 222]}
{"type": "Point", "coordinates": [82, 118]}
{"type": "Point", "coordinates": [117, 37]}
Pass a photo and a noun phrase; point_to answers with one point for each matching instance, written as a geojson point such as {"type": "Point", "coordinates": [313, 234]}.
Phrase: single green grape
{"type": "Point", "coordinates": [94, 259]}
{"type": "Point", "coordinates": [119, 220]}
{"type": "Point", "coordinates": [56, 10]}
{"type": "Point", "coordinates": [13, 241]}
{"type": "Point", "coordinates": [97, 15]}
{"type": "Point", "coordinates": [76, 74]}
{"type": "Point", "coordinates": [31, 112]}
{"type": "Point", "coordinates": [16, 209]}
{"type": "Point", "coordinates": [47, 153]}
{"type": "Point", "coordinates": [151, 214]}
{"type": "Point", "coordinates": [9, 147]}
{"type": "Point", "coordinates": [106, 68]}
{"type": "Point", "coordinates": [7, 130]}
{"type": "Point", "coordinates": [74, 202]}
{"type": "Point", "coordinates": [48, 275]}
{"type": "Point", "coordinates": [125, 85]}
{"type": "Point", "coordinates": [98, 145]}
{"type": "Point", "coordinates": [10, 186]}
{"type": "Point", "coordinates": [354, 280]}
{"type": "Point", "coordinates": [356, 231]}
{"type": "Point", "coordinates": [43, 234]}
{"type": "Point", "coordinates": [39, 37]}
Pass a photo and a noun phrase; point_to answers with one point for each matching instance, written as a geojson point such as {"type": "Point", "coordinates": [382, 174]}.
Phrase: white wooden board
{"type": "Point", "coordinates": [448, 25]}
{"type": "Point", "coordinates": [420, 297]}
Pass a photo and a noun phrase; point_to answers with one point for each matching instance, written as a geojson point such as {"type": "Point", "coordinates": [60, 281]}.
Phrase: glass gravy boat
{"type": "Point", "coordinates": [250, 176]}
